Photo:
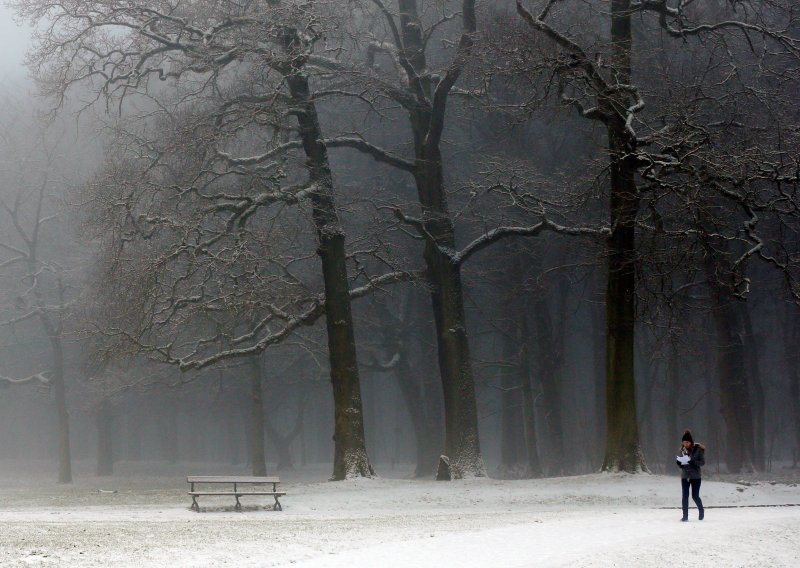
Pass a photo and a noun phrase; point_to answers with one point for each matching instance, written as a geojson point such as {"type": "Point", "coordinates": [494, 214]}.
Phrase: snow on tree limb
{"type": "Point", "coordinates": [499, 233]}
{"type": "Point", "coordinates": [41, 377]}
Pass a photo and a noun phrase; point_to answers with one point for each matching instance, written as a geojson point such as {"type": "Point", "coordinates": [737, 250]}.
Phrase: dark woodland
{"type": "Point", "coordinates": [478, 239]}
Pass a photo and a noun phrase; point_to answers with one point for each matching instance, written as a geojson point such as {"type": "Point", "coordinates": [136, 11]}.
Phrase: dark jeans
{"type": "Point", "coordinates": [695, 484]}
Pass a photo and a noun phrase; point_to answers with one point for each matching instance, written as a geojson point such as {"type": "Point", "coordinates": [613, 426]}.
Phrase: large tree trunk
{"type": "Point", "coordinates": [64, 452]}
{"type": "Point", "coordinates": [53, 329]}
{"type": "Point", "coordinates": [168, 429]}
{"type": "Point", "coordinates": [511, 430]}
{"type": "Point", "coordinates": [549, 340]}
{"type": "Point", "coordinates": [283, 443]}
{"type": "Point", "coordinates": [735, 400]}
{"type": "Point", "coordinates": [258, 460]}
{"type": "Point", "coordinates": [195, 442]}
{"type": "Point", "coordinates": [753, 370]}
{"type": "Point", "coordinates": [622, 433]}
{"type": "Point", "coordinates": [399, 333]}
{"type": "Point", "coordinates": [104, 419]}
{"type": "Point", "coordinates": [427, 118]}
{"type": "Point", "coordinates": [133, 427]}
{"type": "Point", "coordinates": [350, 451]}
{"type": "Point", "coordinates": [519, 453]}
{"type": "Point", "coordinates": [512, 462]}
{"type": "Point", "coordinates": [233, 436]}
{"type": "Point", "coordinates": [462, 445]}
{"type": "Point", "coordinates": [651, 370]}
{"type": "Point", "coordinates": [282, 446]}
{"type": "Point", "coordinates": [715, 426]}
{"type": "Point", "coordinates": [791, 339]}
{"type": "Point", "coordinates": [674, 389]}
{"type": "Point", "coordinates": [427, 388]}
{"type": "Point", "coordinates": [284, 454]}
{"type": "Point", "coordinates": [623, 452]}
{"type": "Point", "coordinates": [427, 429]}
{"type": "Point", "coordinates": [598, 436]}
{"type": "Point", "coordinates": [528, 400]}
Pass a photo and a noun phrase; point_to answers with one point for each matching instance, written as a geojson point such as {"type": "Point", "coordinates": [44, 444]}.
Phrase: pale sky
{"type": "Point", "coordinates": [13, 44]}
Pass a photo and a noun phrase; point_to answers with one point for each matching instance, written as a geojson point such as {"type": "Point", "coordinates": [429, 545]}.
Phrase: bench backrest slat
{"type": "Point", "coordinates": [230, 479]}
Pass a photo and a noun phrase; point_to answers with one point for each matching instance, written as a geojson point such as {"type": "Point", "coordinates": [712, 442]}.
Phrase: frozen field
{"type": "Point", "coordinates": [596, 520]}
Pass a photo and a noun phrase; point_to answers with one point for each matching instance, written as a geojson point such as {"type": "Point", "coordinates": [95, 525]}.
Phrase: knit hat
{"type": "Point", "coordinates": [687, 436]}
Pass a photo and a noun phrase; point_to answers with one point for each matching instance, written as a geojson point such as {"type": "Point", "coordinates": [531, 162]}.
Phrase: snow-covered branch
{"type": "Point", "coordinates": [673, 21]}
{"type": "Point", "coordinates": [41, 377]}
{"type": "Point", "coordinates": [379, 154]}
{"type": "Point", "coordinates": [500, 233]}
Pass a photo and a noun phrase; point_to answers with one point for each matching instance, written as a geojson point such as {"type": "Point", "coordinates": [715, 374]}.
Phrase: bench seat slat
{"type": "Point", "coordinates": [278, 493]}
{"type": "Point", "coordinates": [230, 479]}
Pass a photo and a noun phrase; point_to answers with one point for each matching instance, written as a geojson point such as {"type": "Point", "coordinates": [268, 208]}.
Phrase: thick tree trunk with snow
{"type": "Point", "coordinates": [462, 445]}
{"type": "Point", "coordinates": [443, 275]}
{"type": "Point", "coordinates": [622, 432]}
{"type": "Point", "coordinates": [623, 452]}
{"type": "Point", "coordinates": [350, 451]}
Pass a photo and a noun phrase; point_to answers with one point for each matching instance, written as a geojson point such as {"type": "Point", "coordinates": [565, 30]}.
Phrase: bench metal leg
{"type": "Point", "coordinates": [277, 505]}
{"type": "Point", "coordinates": [238, 504]}
{"type": "Point", "coordinates": [194, 506]}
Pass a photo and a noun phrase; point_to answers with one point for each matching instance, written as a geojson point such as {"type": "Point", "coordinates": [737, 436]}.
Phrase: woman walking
{"type": "Point", "coordinates": [690, 459]}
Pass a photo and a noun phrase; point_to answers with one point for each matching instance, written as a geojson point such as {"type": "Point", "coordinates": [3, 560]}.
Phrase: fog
{"type": "Point", "coordinates": [219, 256]}
{"type": "Point", "coordinates": [14, 39]}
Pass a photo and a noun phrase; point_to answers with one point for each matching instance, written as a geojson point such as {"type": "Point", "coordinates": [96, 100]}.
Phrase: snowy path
{"type": "Point", "coordinates": [620, 539]}
{"type": "Point", "coordinates": [597, 520]}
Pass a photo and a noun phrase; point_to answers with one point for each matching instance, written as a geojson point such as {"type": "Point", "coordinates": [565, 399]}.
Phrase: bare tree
{"type": "Point", "coordinates": [405, 72]}
{"type": "Point", "coordinates": [121, 49]}
{"type": "Point", "coordinates": [35, 262]}
{"type": "Point", "coordinates": [641, 156]}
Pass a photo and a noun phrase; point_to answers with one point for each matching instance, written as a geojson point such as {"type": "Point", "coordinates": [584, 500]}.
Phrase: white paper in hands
{"type": "Point", "coordinates": [683, 459]}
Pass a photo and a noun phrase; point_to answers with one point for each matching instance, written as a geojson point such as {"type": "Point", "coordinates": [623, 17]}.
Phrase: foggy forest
{"type": "Point", "coordinates": [459, 239]}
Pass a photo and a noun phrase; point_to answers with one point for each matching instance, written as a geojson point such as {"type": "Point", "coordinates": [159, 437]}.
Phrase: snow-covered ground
{"type": "Point", "coordinates": [593, 520]}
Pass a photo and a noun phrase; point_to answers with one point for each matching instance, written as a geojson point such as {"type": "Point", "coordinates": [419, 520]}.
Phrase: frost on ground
{"type": "Point", "coordinates": [138, 519]}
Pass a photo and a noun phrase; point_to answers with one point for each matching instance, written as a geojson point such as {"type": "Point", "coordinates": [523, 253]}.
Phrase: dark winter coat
{"type": "Point", "coordinates": [697, 459]}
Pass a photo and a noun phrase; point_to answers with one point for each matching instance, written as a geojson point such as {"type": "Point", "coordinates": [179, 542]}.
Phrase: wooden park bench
{"type": "Point", "coordinates": [218, 482]}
